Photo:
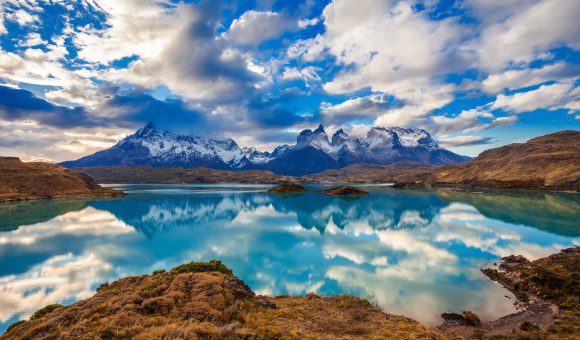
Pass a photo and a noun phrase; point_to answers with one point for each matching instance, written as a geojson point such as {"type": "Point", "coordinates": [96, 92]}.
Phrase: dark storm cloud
{"type": "Point", "coordinates": [275, 112]}
{"type": "Point", "coordinates": [18, 104]}
{"type": "Point", "coordinates": [172, 114]}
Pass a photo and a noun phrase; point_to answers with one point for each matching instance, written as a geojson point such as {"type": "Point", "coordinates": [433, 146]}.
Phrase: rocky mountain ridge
{"type": "Point", "coordinates": [313, 151]}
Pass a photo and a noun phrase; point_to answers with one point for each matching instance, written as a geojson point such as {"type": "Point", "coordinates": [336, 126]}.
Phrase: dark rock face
{"type": "Point", "coordinates": [303, 161]}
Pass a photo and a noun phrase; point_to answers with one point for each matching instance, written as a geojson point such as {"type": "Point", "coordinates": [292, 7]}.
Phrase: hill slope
{"type": "Point", "coordinates": [205, 300]}
{"type": "Point", "coordinates": [25, 181]}
{"type": "Point", "coordinates": [547, 162]}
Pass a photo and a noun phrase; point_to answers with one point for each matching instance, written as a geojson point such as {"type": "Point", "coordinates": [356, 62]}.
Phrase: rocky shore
{"type": "Point", "coordinates": [548, 292]}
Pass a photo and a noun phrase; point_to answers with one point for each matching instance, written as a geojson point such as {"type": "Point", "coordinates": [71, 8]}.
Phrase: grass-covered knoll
{"type": "Point", "coordinates": [204, 300]}
{"type": "Point", "coordinates": [287, 189]}
{"type": "Point", "coordinates": [345, 190]}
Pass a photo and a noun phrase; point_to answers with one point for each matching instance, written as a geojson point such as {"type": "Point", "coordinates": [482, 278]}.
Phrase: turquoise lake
{"type": "Point", "coordinates": [414, 252]}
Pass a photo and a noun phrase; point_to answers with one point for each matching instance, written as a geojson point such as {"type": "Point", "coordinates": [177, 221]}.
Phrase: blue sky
{"type": "Point", "coordinates": [78, 75]}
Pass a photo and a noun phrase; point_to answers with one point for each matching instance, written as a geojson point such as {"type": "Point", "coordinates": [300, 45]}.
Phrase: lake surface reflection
{"type": "Point", "coordinates": [416, 253]}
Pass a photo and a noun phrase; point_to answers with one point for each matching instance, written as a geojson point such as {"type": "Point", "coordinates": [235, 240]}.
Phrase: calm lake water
{"type": "Point", "coordinates": [416, 253]}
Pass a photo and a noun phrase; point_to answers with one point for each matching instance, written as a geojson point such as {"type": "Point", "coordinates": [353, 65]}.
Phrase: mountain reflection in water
{"type": "Point", "coordinates": [416, 253]}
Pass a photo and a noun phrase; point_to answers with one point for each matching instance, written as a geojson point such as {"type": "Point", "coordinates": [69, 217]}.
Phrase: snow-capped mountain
{"type": "Point", "coordinates": [150, 146]}
{"type": "Point", "coordinates": [313, 151]}
{"type": "Point", "coordinates": [255, 156]}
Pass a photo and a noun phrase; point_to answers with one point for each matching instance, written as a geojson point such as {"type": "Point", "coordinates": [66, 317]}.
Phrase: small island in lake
{"type": "Point", "coordinates": [345, 190]}
{"type": "Point", "coordinates": [288, 188]}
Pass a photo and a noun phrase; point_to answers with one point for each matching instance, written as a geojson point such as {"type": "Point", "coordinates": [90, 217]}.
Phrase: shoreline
{"type": "Point", "coordinates": [117, 193]}
{"type": "Point", "coordinates": [261, 316]}
{"type": "Point", "coordinates": [538, 313]}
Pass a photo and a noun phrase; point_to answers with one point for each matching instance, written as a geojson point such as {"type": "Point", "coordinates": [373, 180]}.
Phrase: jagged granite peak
{"type": "Point", "coordinates": [339, 137]}
{"type": "Point", "coordinates": [406, 137]}
{"type": "Point", "coordinates": [317, 139]}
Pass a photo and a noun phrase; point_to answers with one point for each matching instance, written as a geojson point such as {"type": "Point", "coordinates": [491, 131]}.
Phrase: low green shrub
{"type": "Point", "coordinates": [198, 267]}
{"type": "Point", "coordinates": [16, 324]}
{"type": "Point", "coordinates": [42, 312]}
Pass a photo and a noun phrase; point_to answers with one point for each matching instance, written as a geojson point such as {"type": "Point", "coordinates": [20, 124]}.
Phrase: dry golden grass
{"type": "Point", "coordinates": [547, 162]}
{"type": "Point", "coordinates": [214, 305]}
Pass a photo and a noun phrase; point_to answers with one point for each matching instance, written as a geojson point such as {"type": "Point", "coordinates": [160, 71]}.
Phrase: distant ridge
{"type": "Point", "coordinates": [550, 162]}
{"type": "Point", "coordinates": [37, 180]}
{"type": "Point", "coordinates": [313, 152]}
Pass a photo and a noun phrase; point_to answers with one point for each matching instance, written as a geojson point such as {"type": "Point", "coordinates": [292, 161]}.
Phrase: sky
{"type": "Point", "coordinates": [76, 76]}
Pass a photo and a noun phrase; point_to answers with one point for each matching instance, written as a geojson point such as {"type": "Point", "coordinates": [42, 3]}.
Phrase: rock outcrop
{"type": "Point", "coordinates": [548, 292]}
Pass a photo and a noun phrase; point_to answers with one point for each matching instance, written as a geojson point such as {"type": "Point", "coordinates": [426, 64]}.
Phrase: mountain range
{"type": "Point", "coordinates": [313, 152]}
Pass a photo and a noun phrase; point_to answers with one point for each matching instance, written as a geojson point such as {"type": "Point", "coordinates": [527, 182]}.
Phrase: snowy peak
{"type": "Point", "coordinates": [317, 139]}
{"type": "Point", "coordinates": [280, 150]}
{"type": "Point", "coordinates": [339, 137]}
{"type": "Point", "coordinates": [377, 138]}
{"type": "Point", "coordinates": [153, 146]}
{"type": "Point", "coordinates": [398, 136]}
{"type": "Point", "coordinates": [312, 152]}
{"type": "Point", "coordinates": [255, 156]}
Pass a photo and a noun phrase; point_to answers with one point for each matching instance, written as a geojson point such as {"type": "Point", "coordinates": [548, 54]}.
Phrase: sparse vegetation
{"type": "Point", "coordinates": [16, 324]}
{"type": "Point", "coordinates": [158, 271]}
{"type": "Point", "coordinates": [46, 310]}
{"type": "Point", "coordinates": [103, 286]}
{"type": "Point", "coordinates": [556, 279]}
{"type": "Point", "coordinates": [471, 318]}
